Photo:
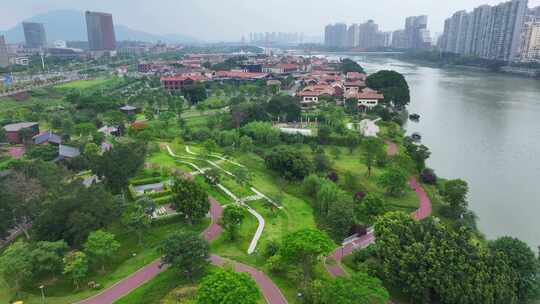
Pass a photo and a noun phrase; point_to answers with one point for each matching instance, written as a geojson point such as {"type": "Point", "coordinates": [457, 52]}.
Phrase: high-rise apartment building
{"type": "Point", "coordinates": [370, 37]}
{"type": "Point", "coordinates": [4, 56]}
{"type": "Point", "coordinates": [34, 35]}
{"type": "Point", "coordinates": [530, 43]}
{"type": "Point", "coordinates": [100, 30]}
{"type": "Point", "coordinates": [335, 35]}
{"type": "Point", "coordinates": [491, 32]}
{"type": "Point", "coordinates": [399, 40]}
{"type": "Point", "coordinates": [416, 33]}
{"type": "Point", "coordinates": [353, 36]}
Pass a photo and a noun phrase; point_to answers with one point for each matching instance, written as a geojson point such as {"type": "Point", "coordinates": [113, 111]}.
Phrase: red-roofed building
{"type": "Point", "coordinates": [178, 82]}
{"type": "Point", "coordinates": [352, 76]}
{"type": "Point", "coordinates": [355, 84]}
{"type": "Point", "coordinates": [367, 98]}
{"type": "Point", "coordinates": [239, 75]}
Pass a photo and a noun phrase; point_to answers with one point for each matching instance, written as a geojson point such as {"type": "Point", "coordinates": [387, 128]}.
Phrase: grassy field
{"type": "Point", "coordinates": [83, 84]}
{"type": "Point", "coordinates": [131, 257]}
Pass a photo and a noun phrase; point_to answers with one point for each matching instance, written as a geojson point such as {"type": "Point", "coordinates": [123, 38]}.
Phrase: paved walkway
{"type": "Point", "coordinates": [149, 271]}
{"type": "Point", "coordinates": [270, 291]}
{"type": "Point", "coordinates": [423, 211]}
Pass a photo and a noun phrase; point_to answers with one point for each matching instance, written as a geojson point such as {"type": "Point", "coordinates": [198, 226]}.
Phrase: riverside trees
{"type": "Point", "coordinates": [429, 261]}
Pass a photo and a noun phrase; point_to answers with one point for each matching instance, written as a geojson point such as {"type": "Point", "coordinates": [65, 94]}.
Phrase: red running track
{"type": "Point", "coordinates": [423, 211]}
{"type": "Point", "coordinates": [271, 292]}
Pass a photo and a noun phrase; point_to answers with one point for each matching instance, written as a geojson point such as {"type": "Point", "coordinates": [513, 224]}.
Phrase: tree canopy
{"type": "Point", "coordinates": [360, 288]}
{"type": "Point", "coordinates": [227, 286]}
{"type": "Point", "coordinates": [392, 84]}
{"type": "Point", "coordinates": [430, 262]}
{"type": "Point", "coordinates": [186, 252]}
{"type": "Point", "coordinates": [190, 200]}
{"type": "Point", "coordinates": [290, 162]}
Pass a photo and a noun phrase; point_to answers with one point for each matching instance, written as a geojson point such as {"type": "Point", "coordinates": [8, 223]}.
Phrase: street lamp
{"type": "Point", "coordinates": [42, 293]}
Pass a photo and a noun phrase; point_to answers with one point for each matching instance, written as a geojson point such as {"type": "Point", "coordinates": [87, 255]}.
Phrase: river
{"type": "Point", "coordinates": [484, 128]}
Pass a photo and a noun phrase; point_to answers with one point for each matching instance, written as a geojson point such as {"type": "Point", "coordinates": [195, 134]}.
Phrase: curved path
{"type": "Point", "coordinates": [260, 219]}
{"type": "Point", "coordinates": [347, 248]}
{"type": "Point", "coordinates": [270, 291]}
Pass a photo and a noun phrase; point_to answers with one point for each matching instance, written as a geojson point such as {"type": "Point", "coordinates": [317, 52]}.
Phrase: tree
{"type": "Point", "coordinates": [3, 136]}
{"type": "Point", "coordinates": [241, 175]}
{"type": "Point", "coordinates": [323, 134]}
{"type": "Point", "coordinates": [19, 198]}
{"type": "Point", "coordinates": [392, 84]}
{"type": "Point", "coordinates": [284, 107]}
{"type": "Point", "coordinates": [336, 152]}
{"type": "Point", "coordinates": [16, 264]}
{"type": "Point", "coordinates": [350, 181]}
{"type": "Point", "coordinates": [360, 288]}
{"type": "Point", "coordinates": [186, 252]}
{"type": "Point", "coordinates": [340, 217]}
{"type": "Point", "coordinates": [232, 219]}
{"type": "Point", "coordinates": [213, 176]}
{"type": "Point", "coordinates": [321, 161]}
{"type": "Point", "coordinates": [351, 105]}
{"type": "Point", "coordinates": [304, 248]}
{"type": "Point", "coordinates": [327, 193]}
{"type": "Point", "coordinates": [290, 162]}
{"type": "Point", "coordinates": [137, 218]}
{"type": "Point", "coordinates": [373, 147]}
{"type": "Point", "coordinates": [371, 206]}
{"type": "Point", "coordinates": [349, 65]}
{"type": "Point", "coordinates": [227, 286]}
{"type": "Point", "coordinates": [47, 258]}
{"type": "Point", "coordinates": [239, 112]}
{"type": "Point", "coordinates": [311, 184]}
{"type": "Point", "coordinates": [73, 212]}
{"type": "Point", "coordinates": [394, 181]}
{"type": "Point", "coordinates": [430, 262]}
{"type": "Point", "coordinates": [522, 259]}
{"type": "Point", "coordinates": [418, 153]}
{"type": "Point", "coordinates": [210, 146]}
{"type": "Point", "coordinates": [190, 200]}
{"type": "Point", "coordinates": [148, 204]}
{"type": "Point", "coordinates": [76, 267]}
{"type": "Point", "coordinates": [454, 194]}
{"type": "Point", "coordinates": [246, 144]}
{"type": "Point", "coordinates": [101, 247]}
{"type": "Point", "coordinates": [119, 164]}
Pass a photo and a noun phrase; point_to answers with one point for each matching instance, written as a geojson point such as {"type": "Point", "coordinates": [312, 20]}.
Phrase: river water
{"type": "Point", "coordinates": [484, 128]}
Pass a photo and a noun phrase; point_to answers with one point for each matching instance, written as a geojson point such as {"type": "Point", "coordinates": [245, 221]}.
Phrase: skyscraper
{"type": "Point", "coordinates": [417, 35]}
{"type": "Point", "coordinates": [370, 35]}
{"type": "Point", "coordinates": [100, 30]}
{"type": "Point", "coordinates": [491, 32]}
{"type": "Point", "coordinates": [34, 35]}
{"type": "Point", "coordinates": [335, 35]}
{"type": "Point", "coordinates": [530, 44]}
{"type": "Point", "coordinates": [4, 57]}
{"type": "Point", "coordinates": [353, 36]}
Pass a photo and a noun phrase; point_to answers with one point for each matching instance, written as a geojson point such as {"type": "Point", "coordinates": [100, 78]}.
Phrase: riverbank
{"type": "Point", "coordinates": [507, 70]}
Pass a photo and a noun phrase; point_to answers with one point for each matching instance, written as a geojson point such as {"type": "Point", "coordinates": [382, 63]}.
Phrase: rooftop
{"type": "Point", "coordinates": [19, 126]}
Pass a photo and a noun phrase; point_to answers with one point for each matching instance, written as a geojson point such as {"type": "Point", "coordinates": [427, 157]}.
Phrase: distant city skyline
{"type": "Point", "coordinates": [229, 21]}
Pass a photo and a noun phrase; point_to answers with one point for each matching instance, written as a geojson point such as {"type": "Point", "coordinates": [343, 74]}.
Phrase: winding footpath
{"type": "Point", "coordinates": [270, 291]}
{"type": "Point", "coordinates": [347, 248]}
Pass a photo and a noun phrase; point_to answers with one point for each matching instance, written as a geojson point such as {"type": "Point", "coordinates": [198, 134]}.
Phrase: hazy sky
{"type": "Point", "coordinates": [230, 19]}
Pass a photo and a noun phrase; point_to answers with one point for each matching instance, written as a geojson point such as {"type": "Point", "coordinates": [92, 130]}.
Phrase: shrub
{"type": "Point", "coordinates": [333, 176]}
{"type": "Point", "coordinates": [428, 176]}
{"type": "Point", "coordinates": [359, 196]}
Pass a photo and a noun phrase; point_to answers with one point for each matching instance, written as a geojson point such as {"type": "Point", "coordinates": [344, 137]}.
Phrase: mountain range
{"type": "Point", "coordinates": [70, 25]}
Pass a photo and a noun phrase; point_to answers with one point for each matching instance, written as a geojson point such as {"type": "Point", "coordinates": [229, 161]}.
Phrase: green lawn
{"type": "Point", "coordinates": [131, 257]}
{"type": "Point", "coordinates": [83, 84]}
